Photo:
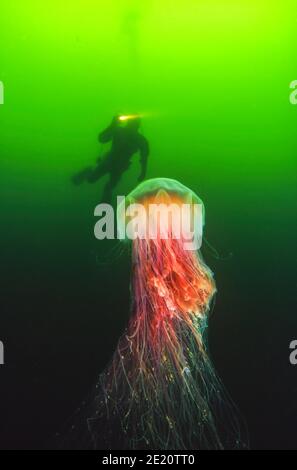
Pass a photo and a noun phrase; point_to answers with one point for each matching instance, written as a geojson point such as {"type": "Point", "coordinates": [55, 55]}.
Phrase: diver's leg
{"type": "Point", "coordinates": [81, 176]}
{"type": "Point", "coordinates": [91, 174]}
{"type": "Point", "coordinates": [110, 185]}
{"type": "Point", "coordinates": [100, 170]}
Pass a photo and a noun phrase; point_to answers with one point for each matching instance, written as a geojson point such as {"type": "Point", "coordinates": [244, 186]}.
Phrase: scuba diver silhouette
{"type": "Point", "coordinates": [125, 142]}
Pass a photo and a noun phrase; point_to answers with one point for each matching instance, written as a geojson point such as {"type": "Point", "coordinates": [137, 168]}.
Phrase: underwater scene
{"type": "Point", "coordinates": [113, 337]}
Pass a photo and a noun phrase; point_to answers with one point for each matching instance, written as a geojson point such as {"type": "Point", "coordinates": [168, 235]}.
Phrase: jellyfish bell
{"type": "Point", "coordinates": [161, 186]}
{"type": "Point", "coordinates": [162, 207]}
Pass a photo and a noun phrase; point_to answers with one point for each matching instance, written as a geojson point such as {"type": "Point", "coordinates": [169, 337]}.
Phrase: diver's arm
{"type": "Point", "coordinates": [144, 153]}
{"type": "Point", "coordinates": [107, 134]}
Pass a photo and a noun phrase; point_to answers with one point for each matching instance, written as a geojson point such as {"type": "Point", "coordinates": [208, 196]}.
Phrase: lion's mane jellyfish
{"type": "Point", "coordinates": [160, 390]}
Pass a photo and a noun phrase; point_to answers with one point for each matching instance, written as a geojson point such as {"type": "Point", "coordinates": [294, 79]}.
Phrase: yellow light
{"type": "Point", "coordinates": [128, 116]}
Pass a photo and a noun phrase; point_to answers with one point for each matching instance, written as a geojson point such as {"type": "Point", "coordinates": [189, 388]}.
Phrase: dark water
{"type": "Point", "coordinates": [213, 83]}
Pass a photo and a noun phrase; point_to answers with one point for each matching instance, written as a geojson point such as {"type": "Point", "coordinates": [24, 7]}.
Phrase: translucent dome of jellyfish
{"type": "Point", "coordinates": [160, 390]}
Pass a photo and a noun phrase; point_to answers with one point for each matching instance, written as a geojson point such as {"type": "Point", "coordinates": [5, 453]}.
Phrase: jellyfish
{"type": "Point", "coordinates": [160, 390]}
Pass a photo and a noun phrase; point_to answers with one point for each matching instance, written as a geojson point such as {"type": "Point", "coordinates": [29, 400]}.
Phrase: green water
{"type": "Point", "coordinates": [212, 79]}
